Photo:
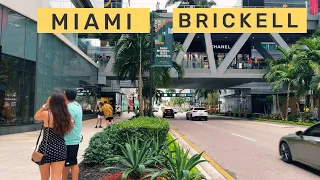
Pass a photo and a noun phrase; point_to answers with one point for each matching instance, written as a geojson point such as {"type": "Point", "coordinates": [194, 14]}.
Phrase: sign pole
{"type": "Point", "coordinates": [151, 64]}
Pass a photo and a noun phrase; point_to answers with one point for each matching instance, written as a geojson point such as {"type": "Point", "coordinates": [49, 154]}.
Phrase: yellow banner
{"type": "Point", "coordinates": [89, 20]}
{"type": "Point", "coordinates": [240, 20]}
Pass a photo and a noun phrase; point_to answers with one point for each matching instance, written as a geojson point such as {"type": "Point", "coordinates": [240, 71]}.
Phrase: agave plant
{"type": "Point", "coordinates": [179, 165]}
{"type": "Point", "coordinates": [139, 159]}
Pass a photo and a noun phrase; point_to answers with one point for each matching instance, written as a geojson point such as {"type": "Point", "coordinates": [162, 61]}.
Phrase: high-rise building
{"type": "Point", "coordinates": [32, 65]}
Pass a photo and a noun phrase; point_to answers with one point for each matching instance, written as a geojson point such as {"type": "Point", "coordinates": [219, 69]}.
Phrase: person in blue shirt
{"type": "Point", "coordinates": [74, 137]}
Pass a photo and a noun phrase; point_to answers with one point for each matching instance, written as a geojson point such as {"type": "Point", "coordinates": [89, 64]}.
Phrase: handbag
{"type": "Point", "coordinates": [37, 156]}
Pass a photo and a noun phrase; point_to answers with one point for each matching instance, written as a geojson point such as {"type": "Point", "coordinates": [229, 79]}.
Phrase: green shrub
{"type": "Point", "coordinates": [138, 158]}
{"type": "Point", "coordinates": [173, 147]}
{"type": "Point", "coordinates": [143, 128]}
{"type": "Point", "coordinates": [180, 166]}
{"type": "Point", "coordinates": [102, 146]}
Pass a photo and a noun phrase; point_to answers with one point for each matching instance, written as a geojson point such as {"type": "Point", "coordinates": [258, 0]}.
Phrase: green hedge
{"type": "Point", "coordinates": [283, 122]}
{"type": "Point", "coordinates": [102, 145]}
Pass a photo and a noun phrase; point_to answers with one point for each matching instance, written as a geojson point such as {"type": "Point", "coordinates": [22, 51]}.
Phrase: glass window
{"type": "Point", "coordinates": [1, 21]}
{"type": "Point", "coordinates": [8, 61]}
{"type": "Point", "coordinates": [27, 104]}
{"type": "Point", "coordinates": [272, 46]}
{"type": "Point", "coordinates": [42, 46]}
{"type": "Point", "coordinates": [13, 33]}
{"type": "Point", "coordinates": [313, 131]}
{"type": "Point", "coordinates": [199, 109]}
{"type": "Point", "coordinates": [31, 40]}
{"type": "Point", "coordinates": [11, 90]}
{"type": "Point", "coordinates": [265, 46]}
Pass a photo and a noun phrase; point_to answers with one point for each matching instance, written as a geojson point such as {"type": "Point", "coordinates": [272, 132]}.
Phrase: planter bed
{"type": "Point", "coordinates": [93, 172]}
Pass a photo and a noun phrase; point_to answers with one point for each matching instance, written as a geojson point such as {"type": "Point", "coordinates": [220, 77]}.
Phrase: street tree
{"type": "Point", "coordinates": [282, 73]}
{"type": "Point", "coordinates": [132, 62]}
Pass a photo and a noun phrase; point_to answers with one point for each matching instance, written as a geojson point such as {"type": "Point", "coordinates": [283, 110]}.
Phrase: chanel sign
{"type": "Point", "coordinates": [221, 47]}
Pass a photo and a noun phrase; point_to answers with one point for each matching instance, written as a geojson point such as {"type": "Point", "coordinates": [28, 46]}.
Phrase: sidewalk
{"type": "Point", "coordinates": [16, 150]}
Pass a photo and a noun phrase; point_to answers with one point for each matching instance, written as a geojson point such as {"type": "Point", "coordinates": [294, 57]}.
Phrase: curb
{"type": "Point", "coordinates": [210, 169]}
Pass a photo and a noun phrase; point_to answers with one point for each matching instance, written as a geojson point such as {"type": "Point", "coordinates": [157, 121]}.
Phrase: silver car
{"type": "Point", "coordinates": [303, 147]}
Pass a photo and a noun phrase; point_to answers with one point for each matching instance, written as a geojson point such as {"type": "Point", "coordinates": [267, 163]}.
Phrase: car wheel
{"type": "Point", "coordinates": [285, 152]}
{"type": "Point", "coordinates": [187, 117]}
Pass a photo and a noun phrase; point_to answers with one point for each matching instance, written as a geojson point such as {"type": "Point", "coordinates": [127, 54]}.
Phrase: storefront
{"type": "Point", "coordinates": [199, 60]}
{"type": "Point", "coordinates": [32, 66]}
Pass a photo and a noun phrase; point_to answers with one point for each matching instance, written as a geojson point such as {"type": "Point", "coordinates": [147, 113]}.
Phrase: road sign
{"type": "Point", "coordinates": [176, 95]}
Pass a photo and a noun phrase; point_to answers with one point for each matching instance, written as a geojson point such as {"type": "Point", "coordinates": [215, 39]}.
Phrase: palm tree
{"type": "Point", "coordinates": [199, 3]}
{"type": "Point", "coordinates": [203, 93]}
{"type": "Point", "coordinates": [132, 60]}
{"type": "Point", "coordinates": [281, 73]}
{"type": "Point", "coordinates": [132, 54]}
{"type": "Point", "coordinates": [311, 49]}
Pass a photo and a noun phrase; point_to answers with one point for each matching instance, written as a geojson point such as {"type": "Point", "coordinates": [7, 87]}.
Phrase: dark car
{"type": "Point", "coordinates": [303, 147]}
{"type": "Point", "coordinates": [168, 112]}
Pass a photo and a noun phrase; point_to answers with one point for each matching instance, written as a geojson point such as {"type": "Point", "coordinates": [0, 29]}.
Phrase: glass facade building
{"type": "Point", "coordinates": [32, 66]}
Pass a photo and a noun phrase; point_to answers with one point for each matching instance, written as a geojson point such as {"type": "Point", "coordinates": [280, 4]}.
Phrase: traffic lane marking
{"type": "Point", "coordinates": [205, 156]}
{"type": "Point", "coordinates": [198, 122]}
{"type": "Point", "coordinates": [230, 122]}
{"type": "Point", "coordinates": [244, 137]}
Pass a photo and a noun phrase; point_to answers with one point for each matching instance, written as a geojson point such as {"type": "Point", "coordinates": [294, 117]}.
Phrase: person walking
{"type": "Point", "coordinates": [118, 110]}
{"type": "Point", "coordinates": [108, 112]}
{"type": "Point", "coordinates": [100, 114]}
{"type": "Point", "coordinates": [74, 137]}
{"type": "Point", "coordinates": [289, 110]}
{"type": "Point", "coordinates": [56, 123]}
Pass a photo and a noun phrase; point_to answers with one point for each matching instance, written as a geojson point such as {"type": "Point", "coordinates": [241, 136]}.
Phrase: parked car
{"type": "Point", "coordinates": [168, 112]}
{"type": "Point", "coordinates": [197, 113]}
{"type": "Point", "coordinates": [303, 146]}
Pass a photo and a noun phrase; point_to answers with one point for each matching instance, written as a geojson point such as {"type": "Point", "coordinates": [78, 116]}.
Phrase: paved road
{"type": "Point", "coordinates": [246, 150]}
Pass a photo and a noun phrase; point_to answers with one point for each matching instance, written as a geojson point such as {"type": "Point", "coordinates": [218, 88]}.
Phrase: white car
{"type": "Point", "coordinates": [197, 113]}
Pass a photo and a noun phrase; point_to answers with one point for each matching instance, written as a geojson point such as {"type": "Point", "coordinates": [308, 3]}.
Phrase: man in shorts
{"type": "Point", "coordinates": [108, 112]}
{"type": "Point", "coordinates": [74, 137]}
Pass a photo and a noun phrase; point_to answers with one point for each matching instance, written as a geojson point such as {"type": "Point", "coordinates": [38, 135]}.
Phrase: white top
{"type": "Point", "coordinates": [289, 109]}
{"type": "Point", "coordinates": [118, 108]}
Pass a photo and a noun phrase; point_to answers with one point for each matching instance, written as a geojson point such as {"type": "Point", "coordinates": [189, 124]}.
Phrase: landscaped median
{"type": "Point", "coordinates": [284, 122]}
{"type": "Point", "coordinates": [137, 149]}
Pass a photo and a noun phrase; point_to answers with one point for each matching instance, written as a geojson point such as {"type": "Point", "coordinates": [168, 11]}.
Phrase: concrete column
{"type": "Point", "coordinates": [279, 40]}
{"type": "Point", "coordinates": [274, 104]}
{"type": "Point", "coordinates": [109, 65]}
{"type": "Point", "coordinates": [233, 52]}
{"type": "Point", "coordinates": [186, 45]}
{"type": "Point", "coordinates": [210, 53]}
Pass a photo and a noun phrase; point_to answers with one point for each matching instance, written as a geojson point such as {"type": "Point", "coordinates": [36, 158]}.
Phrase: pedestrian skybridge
{"type": "Point", "coordinates": [217, 61]}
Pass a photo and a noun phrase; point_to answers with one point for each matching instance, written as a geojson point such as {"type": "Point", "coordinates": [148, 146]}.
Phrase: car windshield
{"type": "Point", "coordinates": [199, 109]}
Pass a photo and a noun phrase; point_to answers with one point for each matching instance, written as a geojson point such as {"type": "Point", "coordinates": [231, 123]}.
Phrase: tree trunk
{"type": "Point", "coordinates": [140, 84]}
{"type": "Point", "coordinates": [298, 108]}
{"type": "Point", "coordinates": [288, 98]}
{"type": "Point", "coordinates": [278, 104]}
